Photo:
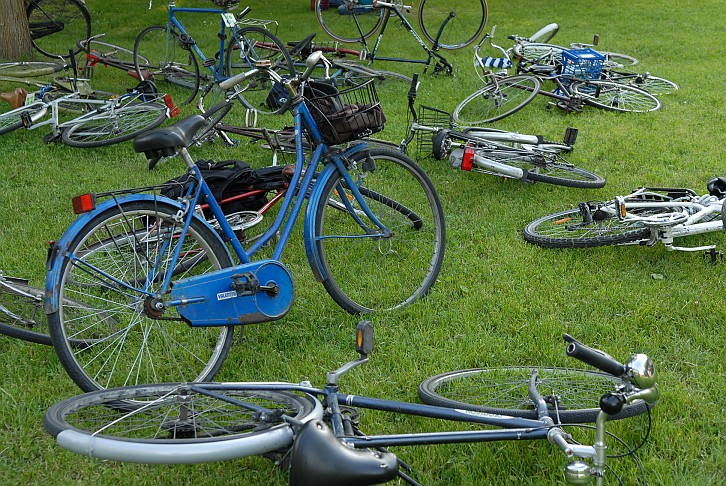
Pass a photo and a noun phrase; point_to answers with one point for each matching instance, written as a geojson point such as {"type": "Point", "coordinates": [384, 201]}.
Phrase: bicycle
{"type": "Point", "coordinates": [357, 20]}
{"type": "Point", "coordinates": [374, 235]}
{"type": "Point", "coordinates": [102, 122]}
{"type": "Point", "coordinates": [577, 84]}
{"type": "Point", "coordinates": [529, 158]}
{"type": "Point", "coordinates": [645, 217]}
{"type": "Point", "coordinates": [57, 25]}
{"type": "Point", "coordinates": [316, 430]}
{"type": "Point", "coordinates": [172, 55]}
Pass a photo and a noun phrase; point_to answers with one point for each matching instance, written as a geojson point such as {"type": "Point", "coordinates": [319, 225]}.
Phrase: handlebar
{"type": "Point", "coordinates": [593, 357]}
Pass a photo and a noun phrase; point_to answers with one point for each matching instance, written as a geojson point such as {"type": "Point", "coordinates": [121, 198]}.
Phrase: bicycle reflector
{"type": "Point", "coordinates": [467, 162]}
{"type": "Point", "coordinates": [364, 338]}
{"type": "Point", "coordinates": [173, 110]}
{"type": "Point", "coordinates": [84, 203]}
{"type": "Point", "coordinates": [620, 206]}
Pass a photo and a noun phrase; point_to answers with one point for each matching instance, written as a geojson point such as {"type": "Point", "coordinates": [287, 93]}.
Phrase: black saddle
{"type": "Point", "coordinates": [166, 141]}
{"type": "Point", "coordinates": [318, 457]}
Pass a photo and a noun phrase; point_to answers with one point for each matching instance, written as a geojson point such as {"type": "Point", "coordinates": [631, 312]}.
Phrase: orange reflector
{"type": "Point", "coordinates": [84, 203]}
{"type": "Point", "coordinates": [563, 221]}
{"type": "Point", "coordinates": [623, 212]}
{"type": "Point", "coordinates": [359, 338]}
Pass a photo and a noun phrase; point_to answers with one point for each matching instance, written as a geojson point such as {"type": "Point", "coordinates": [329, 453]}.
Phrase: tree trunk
{"type": "Point", "coordinates": [15, 42]}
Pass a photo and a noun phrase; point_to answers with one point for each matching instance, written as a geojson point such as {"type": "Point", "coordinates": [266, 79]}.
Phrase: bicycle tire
{"type": "Point", "coordinates": [618, 59]}
{"type": "Point", "coordinates": [550, 168]}
{"type": "Point", "coordinates": [462, 30]}
{"type": "Point", "coordinates": [12, 120]}
{"type": "Point", "coordinates": [115, 126]}
{"type": "Point", "coordinates": [497, 100]}
{"type": "Point", "coordinates": [540, 53]}
{"type": "Point", "coordinates": [612, 96]}
{"type": "Point", "coordinates": [173, 424]}
{"type": "Point", "coordinates": [29, 68]}
{"type": "Point", "coordinates": [567, 229]}
{"type": "Point", "coordinates": [172, 65]}
{"type": "Point", "coordinates": [652, 84]}
{"type": "Point", "coordinates": [349, 22]}
{"type": "Point", "coordinates": [356, 74]}
{"type": "Point", "coordinates": [111, 54]}
{"type": "Point", "coordinates": [249, 46]}
{"type": "Point", "coordinates": [56, 26]}
{"type": "Point", "coordinates": [126, 242]}
{"type": "Point", "coordinates": [503, 391]}
{"type": "Point", "coordinates": [364, 274]}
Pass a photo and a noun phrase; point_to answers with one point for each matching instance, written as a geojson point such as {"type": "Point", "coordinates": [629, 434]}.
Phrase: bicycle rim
{"type": "Point", "coordinates": [131, 342]}
{"type": "Point", "coordinates": [29, 69]}
{"type": "Point", "coordinates": [348, 21]}
{"type": "Point", "coordinates": [572, 395]}
{"type": "Point", "coordinates": [615, 96]}
{"type": "Point", "coordinates": [497, 100]}
{"type": "Point", "coordinates": [568, 229]}
{"type": "Point", "coordinates": [174, 424]}
{"type": "Point", "coordinates": [461, 30]}
{"type": "Point", "coordinates": [56, 26]}
{"type": "Point", "coordinates": [366, 274]}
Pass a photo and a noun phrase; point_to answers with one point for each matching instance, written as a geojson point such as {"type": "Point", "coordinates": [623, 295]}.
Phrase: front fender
{"type": "Point", "coordinates": [60, 248]}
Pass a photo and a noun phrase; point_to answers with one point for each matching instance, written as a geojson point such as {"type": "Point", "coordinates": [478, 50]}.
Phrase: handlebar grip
{"type": "Point", "coordinates": [593, 357]}
{"type": "Point", "coordinates": [414, 87]}
{"type": "Point", "coordinates": [234, 80]}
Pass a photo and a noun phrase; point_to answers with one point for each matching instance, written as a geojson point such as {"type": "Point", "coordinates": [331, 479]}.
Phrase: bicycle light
{"type": "Point", "coordinates": [84, 203]}
{"type": "Point", "coordinates": [466, 162]}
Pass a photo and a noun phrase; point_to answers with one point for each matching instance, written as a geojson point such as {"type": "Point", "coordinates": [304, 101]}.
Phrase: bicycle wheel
{"type": "Point", "coordinates": [29, 69]}
{"type": "Point", "coordinates": [548, 167]}
{"type": "Point", "coordinates": [248, 47]}
{"type": "Point", "coordinates": [161, 56]}
{"type": "Point", "coordinates": [12, 120]}
{"type": "Point", "coordinates": [572, 395]}
{"type": "Point", "coordinates": [461, 30]}
{"type": "Point", "coordinates": [173, 424]}
{"type": "Point", "coordinates": [652, 84]}
{"type": "Point", "coordinates": [617, 58]}
{"type": "Point", "coordinates": [110, 54]}
{"type": "Point", "coordinates": [120, 251]}
{"type": "Point", "coordinates": [349, 20]}
{"type": "Point", "coordinates": [615, 96]}
{"type": "Point", "coordinates": [356, 74]}
{"type": "Point", "coordinates": [590, 225]}
{"type": "Point", "coordinates": [369, 273]}
{"type": "Point", "coordinates": [114, 125]}
{"type": "Point", "coordinates": [497, 100]}
{"type": "Point", "coordinates": [56, 26]}
{"type": "Point", "coordinates": [540, 53]}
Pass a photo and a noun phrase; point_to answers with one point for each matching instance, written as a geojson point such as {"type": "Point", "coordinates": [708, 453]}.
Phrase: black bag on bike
{"type": "Point", "coordinates": [226, 179]}
{"type": "Point", "coordinates": [347, 114]}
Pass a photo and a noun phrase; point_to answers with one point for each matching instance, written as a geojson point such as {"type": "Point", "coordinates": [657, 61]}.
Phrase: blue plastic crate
{"type": "Point", "coordinates": [582, 63]}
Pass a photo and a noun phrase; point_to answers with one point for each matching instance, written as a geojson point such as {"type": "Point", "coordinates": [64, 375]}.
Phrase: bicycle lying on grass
{"type": "Point", "coordinates": [316, 430]}
{"type": "Point", "coordinates": [577, 83]}
{"type": "Point", "coordinates": [644, 217]}
{"type": "Point", "coordinates": [529, 158]}
{"type": "Point", "coordinates": [374, 236]}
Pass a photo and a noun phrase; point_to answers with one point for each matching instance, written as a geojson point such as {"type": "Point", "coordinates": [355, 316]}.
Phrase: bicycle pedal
{"type": "Point", "coordinates": [25, 118]}
{"type": "Point", "coordinates": [713, 256]}
{"type": "Point", "coordinates": [570, 136]}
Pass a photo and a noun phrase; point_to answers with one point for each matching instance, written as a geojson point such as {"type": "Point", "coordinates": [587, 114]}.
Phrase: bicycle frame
{"type": "Point", "coordinates": [199, 191]}
{"type": "Point", "coordinates": [392, 9]}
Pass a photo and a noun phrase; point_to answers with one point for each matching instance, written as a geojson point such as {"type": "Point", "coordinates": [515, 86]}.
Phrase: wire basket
{"type": "Point", "coordinates": [582, 63]}
{"type": "Point", "coordinates": [344, 115]}
{"type": "Point", "coordinates": [431, 118]}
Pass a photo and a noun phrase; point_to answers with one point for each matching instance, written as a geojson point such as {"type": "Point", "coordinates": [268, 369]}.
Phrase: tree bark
{"type": "Point", "coordinates": [15, 42]}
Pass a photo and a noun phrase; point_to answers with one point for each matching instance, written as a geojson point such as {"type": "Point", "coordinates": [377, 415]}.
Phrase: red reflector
{"type": "Point", "coordinates": [466, 162]}
{"type": "Point", "coordinates": [84, 203]}
{"type": "Point", "coordinates": [173, 110]}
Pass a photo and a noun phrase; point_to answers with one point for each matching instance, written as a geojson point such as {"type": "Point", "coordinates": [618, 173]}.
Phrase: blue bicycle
{"type": "Point", "coordinates": [160, 290]}
{"type": "Point", "coordinates": [171, 56]}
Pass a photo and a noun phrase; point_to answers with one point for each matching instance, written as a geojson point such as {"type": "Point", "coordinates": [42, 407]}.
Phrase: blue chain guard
{"type": "Point", "coordinates": [225, 306]}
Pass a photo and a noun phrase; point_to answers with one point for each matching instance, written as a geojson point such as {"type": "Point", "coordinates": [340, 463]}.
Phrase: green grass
{"type": "Point", "coordinates": [498, 300]}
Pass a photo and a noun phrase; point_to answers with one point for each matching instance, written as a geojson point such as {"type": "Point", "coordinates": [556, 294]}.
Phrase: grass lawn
{"type": "Point", "coordinates": [498, 300]}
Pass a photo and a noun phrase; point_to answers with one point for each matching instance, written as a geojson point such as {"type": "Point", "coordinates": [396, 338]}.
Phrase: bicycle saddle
{"type": "Point", "coordinates": [318, 457]}
{"type": "Point", "coordinates": [165, 141]}
{"type": "Point", "coordinates": [15, 98]}
{"type": "Point", "coordinates": [717, 187]}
